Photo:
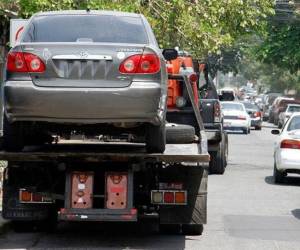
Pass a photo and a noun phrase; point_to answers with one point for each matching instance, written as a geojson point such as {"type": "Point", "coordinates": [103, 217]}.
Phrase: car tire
{"type": "Point", "coordinates": [156, 138]}
{"type": "Point", "coordinates": [257, 127]}
{"type": "Point", "coordinates": [13, 135]}
{"type": "Point", "coordinates": [217, 164]}
{"type": "Point", "coordinates": [245, 131]}
{"type": "Point", "coordinates": [192, 229]}
{"type": "Point", "coordinates": [180, 134]}
{"type": "Point", "coordinates": [277, 175]}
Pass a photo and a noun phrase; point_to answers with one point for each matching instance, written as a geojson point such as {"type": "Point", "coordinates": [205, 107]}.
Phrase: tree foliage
{"type": "Point", "coordinates": [201, 27]}
{"type": "Point", "coordinates": [281, 45]}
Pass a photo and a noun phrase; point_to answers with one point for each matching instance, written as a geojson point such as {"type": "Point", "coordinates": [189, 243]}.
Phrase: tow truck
{"type": "Point", "coordinates": [77, 180]}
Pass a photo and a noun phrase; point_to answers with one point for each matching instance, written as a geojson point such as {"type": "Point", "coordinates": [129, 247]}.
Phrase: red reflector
{"type": "Point", "coordinates": [140, 64]}
{"type": "Point", "coordinates": [193, 77]}
{"type": "Point", "coordinates": [292, 144]}
{"type": "Point", "coordinates": [169, 197]}
{"type": "Point", "coordinates": [24, 62]}
{"type": "Point", "coordinates": [37, 197]}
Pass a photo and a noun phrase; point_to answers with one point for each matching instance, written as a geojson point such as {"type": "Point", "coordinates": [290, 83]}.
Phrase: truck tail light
{"type": "Point", "coordinates": [24, 62]}
{"type": "Point", "coordinates": [140, 64]}
{"type": "Point", "coordinates": [217, 112]}
{"type": "Point", "coordinates": [26, 196]}
{"type": "Point", "coordinates": [291, 144]}
{"type": "Point", "coordinates": [169, 197]}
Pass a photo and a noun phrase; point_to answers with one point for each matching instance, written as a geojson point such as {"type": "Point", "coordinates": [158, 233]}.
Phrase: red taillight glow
{"type": "Point", "coordinates": [292, 144]}
{"type": "Point", "coordinates": [257, 114]}
{"type": "Point", "coordinates": [140, 64]}
{"type": "Point", "coordinates": [241, 117]}
{"type": "Point", "coordinates": [217, 112]}
{"type": "Point", "coordinates": [24, 62]}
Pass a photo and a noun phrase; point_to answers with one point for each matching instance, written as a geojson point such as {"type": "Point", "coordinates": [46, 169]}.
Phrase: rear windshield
{"type": "Point", "coordinates": [294, 124]}
{"type": "Point", "coordinates": [249, 105]}
{"type": "Point", "coordinates": [91, 28]}
{"type": "Point", "coordinates": [294, 109]}
{"type": "Point", "coordinates": [232, 106]}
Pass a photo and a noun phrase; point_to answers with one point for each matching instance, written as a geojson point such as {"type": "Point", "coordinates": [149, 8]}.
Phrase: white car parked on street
{"type": "Point", "coordinates": [287, 149]}
{"type": "Point", "coordinates": [284, 116]}
{"type": "Point", "coordinates": [236, 117]}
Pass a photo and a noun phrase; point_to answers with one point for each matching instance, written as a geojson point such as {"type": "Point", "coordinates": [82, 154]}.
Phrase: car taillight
{"type": "Point", "coordinates": [292, 144]}
{"type": "Point", "coordinates": [217, 112]}
{"type": "Point", "coordinates": [24, 62]}
{"type": "Point", "coordinates": [257, 114]}
{"type": "Point", "coordinates": [140, 64]}
{"type": "Point", "coordinates": [241, 117]}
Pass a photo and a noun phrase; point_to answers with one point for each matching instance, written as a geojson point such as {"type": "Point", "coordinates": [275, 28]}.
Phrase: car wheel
{"type": "Point", "coordinates": [216, 164]}
{"type": "Point", "coordinates": [278, 175]}
{"type": "Point", "coordinates": [13, 135]}
{"type": "Point", "coordinates": [180, 134]}
{"type": "Point", "coordinates": [245, 131]}
{"type": "Point", "coordinates": [258, 128]}
{"type": "Point", "coordinates": [192, 229]}
{"type": "Point", "coordinates": [156, 138]}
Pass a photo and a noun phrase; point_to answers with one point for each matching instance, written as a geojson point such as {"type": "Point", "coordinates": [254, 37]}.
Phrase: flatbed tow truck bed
{"type": "Point", "coordinates": [99, 152]}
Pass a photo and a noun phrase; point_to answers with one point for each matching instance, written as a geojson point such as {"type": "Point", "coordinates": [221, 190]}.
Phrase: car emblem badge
{"type": "Point", "coordinates": [83, 54]}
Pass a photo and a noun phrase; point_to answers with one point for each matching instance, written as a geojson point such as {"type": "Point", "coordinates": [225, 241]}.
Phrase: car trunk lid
{"type": "Point", "coordinates": [91, 65]}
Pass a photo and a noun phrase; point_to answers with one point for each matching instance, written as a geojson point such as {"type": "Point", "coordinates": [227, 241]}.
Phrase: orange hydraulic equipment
{"type": "Point", "coordinates": [182, 65]}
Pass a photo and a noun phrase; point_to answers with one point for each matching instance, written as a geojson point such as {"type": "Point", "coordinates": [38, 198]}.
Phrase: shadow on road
{"type": "Point", "coordinates": [95, 236]}
{"type": "Point", "coordinates": [288, 181]}
{"type": "Point", "coordinates": [296, 213]}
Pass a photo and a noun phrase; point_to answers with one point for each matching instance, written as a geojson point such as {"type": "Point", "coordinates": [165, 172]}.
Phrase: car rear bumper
{"type": "Point", "coordinates": [235, 124]}
{"type": "Point", "coordinates": [256, 122]}
{"type": "Point", "coordinates": [288, 159]}
{"type": "Point", "coordinates": [140, 102]}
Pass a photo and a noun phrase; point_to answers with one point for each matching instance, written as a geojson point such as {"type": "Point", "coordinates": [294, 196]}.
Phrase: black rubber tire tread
{"type": "Point", "coordinates": [277, 175]}
{"type": "Point", "coordinates": [258, 128]}
{"type": "Point", "coordinates": [192, 229]}
{"type": "Point", "coordinates": [245, 131]}
{"type": "Point", "coordinates": [13, 136]}
{"type": "Point", "coordinates": [156, 138]}
{"type": "Point", "coordinates": [216, 164]}
{"type": "Point", "coordinates": [180, 134]}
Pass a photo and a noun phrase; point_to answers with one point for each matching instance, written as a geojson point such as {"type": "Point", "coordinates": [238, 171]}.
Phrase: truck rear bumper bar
{"type": "Point", "coordinates": [103, 152]}
{"type": "Point", "coordinates": [98, 215]}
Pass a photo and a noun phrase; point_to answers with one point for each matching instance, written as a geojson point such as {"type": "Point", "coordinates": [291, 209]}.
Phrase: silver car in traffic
{"type": "Point", "coordinates": [98, 72]}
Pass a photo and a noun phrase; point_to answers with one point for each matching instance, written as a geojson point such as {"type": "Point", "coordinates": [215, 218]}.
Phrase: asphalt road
{"type": "Point", "coordinates": [246, 210]}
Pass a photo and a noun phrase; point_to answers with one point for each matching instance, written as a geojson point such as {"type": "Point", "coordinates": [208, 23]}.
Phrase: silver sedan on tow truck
{"type": "Point", "coordinates": [93, 72]}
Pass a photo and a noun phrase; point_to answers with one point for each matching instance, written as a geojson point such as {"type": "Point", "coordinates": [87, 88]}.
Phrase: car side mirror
{"type": "Point", "coordinates": [275, 131]}
{"type": "Point", "coordinates": [170, 54]}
